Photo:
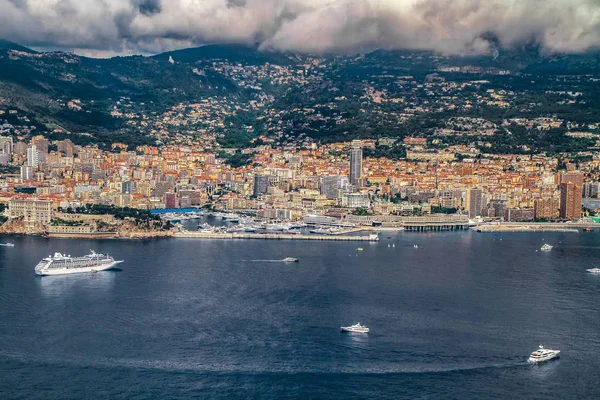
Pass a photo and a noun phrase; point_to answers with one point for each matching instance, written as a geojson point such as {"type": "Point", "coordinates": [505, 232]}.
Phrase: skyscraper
{"type": "Point", "coordinates": [474, 202]}
{"type": "Point", "coordinates": [571, 193]}
{"type": "Point", "coordinates": [6, 144]}
{"type": "Point", "coordinates": [20, 148]}
{"type": "Point", "coordinates": [26, 172]}
{"type": "Point", "coordinates": [356, 154]}
{"type": "Point", "coordinates": [261, 184]}
{"type": "Point", "coordinates": [332, 186]}
{"type": "Point", "coordinates": [573, 176]}
{"type": "Point", "coordinates": [41, 144]}
{"type": "Point", "coordinates": [128, 187]}
{"type": "Point", "coordinates": [6, 149]}
{"type": "Point", "coordinates": [570, 200]}
{"type": "Point", "coordinates": [32, 156]}
{"type": "Point", "coordinates": [67, 147]}
{"type": "Point", "coordinates": [591, 189]}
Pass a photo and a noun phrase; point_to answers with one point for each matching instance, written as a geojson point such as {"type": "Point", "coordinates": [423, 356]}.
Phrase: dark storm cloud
{"type": "Point", "coordinates": [449, 26]}
{"type": "Point", "coordinates": [236, 3]}
{"type": "Point", "coordinates": [149, 7]}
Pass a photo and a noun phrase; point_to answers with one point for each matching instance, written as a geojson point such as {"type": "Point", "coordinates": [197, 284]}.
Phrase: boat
{"type": "Point", "coordinates": [7, 244]}
{"type": "Point", "coordinates": [593, 270]}
{"type": "Point", "coordinates": [275, 227]}
{"type": "Point", "coordinates": [357, 328]}
{"type": "Point", "coordinates": [320, 231]}
{"type": "Point", "coordinates": [60, 264]}
{"type": "Point", "coordinates": [588, 229]}
{"type": "Point", "coordinates": [546, 247]}
{"type": "Point", "coordinates": [290, 259]}
{"type": "Point", "coordinates": [231, 218]}
{"type": "Point", "coordinates": [359, 249]}
{"type": "Point", "coordinates": [542, 354]}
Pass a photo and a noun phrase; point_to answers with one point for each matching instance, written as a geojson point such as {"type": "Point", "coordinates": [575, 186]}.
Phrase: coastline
{"type": "Point", "coordinates": [351, 234]}
{"type": "Point", "coordinates": [96, 235]}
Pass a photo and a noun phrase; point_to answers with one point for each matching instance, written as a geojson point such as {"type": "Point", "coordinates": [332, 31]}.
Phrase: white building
{"type": "Point", "coordinates": [27, 172]}
{"type": "Point", "coordinates": [33, 157]}
{"type": "Point", "coordinates": [356, 200]}
{"type": "Point", "coordinates": [32, 210]}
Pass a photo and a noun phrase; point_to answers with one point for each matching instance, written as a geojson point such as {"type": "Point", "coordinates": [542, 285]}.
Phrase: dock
{"type": "Point", "coordinates": [276, 236]}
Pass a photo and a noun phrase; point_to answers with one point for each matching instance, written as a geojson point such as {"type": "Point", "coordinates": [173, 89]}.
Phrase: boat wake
{"type": "Point", "coordinates": [226, 368]}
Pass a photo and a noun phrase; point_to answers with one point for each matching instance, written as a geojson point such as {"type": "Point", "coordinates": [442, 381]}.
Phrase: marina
{"type": "Point", "coordinates": [277, 236]}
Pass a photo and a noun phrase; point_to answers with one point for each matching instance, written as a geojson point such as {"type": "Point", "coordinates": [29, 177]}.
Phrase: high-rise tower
{"type": "Point", "coordinates": [571, 193]}
{"type": "Point", "coordinates": [356, 154]}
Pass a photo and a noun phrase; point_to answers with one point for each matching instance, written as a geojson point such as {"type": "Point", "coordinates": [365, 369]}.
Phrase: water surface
{"type": "Point", "coordinates": [455, 318]}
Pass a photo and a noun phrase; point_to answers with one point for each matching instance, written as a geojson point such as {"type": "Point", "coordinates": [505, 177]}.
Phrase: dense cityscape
{"type": "Point", "coordinates": [287, 184]}
{"type": "Point", "coordinates": [299, 199]}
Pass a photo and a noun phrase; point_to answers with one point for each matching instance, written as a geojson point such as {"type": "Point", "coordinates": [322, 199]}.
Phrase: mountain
{"type": "Point", "coordinates": [7, 45]}
{"type": "Point", "coordinates": [235, 53]}
{"type": "Point", "coordinates": [247, 94]}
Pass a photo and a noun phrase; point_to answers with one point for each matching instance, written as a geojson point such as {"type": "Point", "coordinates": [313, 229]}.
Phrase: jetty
{"type": "Point", "coordinates": [275, 236]}
{"type": "Point", "coordinates": [536, 227]}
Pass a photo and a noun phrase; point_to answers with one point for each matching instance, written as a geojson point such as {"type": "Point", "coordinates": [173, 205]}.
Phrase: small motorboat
{"type": "Point", "coordinates": [542, 354]}
{"type": "Point", "coordinates": [290, 259]}
{"type": "Point", "coordinates": [359, 249]}
{"type": "Point", "coordinates": [588, 229]}
{"type": "Point", "coordinates": [7, 244]}
{"type": "Point", "coordinates": [546, 247]}
{"type": "Point", "coordinates": [593, 270]}
{"type": "Point", "coordinates": [356, 328]}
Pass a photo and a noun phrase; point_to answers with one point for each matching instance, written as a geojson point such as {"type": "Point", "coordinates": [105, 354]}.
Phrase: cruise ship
{"type": "Point", "coordinates": [60, 264]}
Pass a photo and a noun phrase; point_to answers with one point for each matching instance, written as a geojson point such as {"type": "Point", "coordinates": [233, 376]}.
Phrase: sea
{"type": "Point", "coordinates": [454, 318]}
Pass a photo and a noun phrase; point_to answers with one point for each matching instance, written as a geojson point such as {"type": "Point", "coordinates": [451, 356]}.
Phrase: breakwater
{"type": "Point", "coordinates": [524, 228]}
{"type": "Point", "coordinates": [276, 236]}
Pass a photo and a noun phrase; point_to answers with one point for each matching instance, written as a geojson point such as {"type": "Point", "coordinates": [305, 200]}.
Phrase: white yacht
{"type": "Point", "coordinates": [542, 354]}
{"type": "Point", "coordinates": [7, 244]}
{"type": "Point", "coordinates": [60, 264]}
{"type": "Point", "coordinates": [546, 247]}
{"type": "Point", "coordinates": [290, 259]}
{"type": "Point", "coordinates": [593, 270]}
{"type": "Point", "coordinates": [358, 328]}
{"type": "Point", "coordinates": [325, 231]}
{"type": "Point", "coordinates": [231, 218]}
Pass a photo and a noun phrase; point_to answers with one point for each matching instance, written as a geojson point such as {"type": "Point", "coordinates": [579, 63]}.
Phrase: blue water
{"type": "Point", "coordinates": [454, 319]}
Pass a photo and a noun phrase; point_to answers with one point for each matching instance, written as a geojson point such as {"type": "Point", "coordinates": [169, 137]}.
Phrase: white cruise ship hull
{"type": "Point", "coordinates": [76, 270]}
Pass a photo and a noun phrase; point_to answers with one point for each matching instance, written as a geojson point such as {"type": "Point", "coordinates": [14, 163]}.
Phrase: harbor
{"type": "Point", "coordinates": [277, 236]}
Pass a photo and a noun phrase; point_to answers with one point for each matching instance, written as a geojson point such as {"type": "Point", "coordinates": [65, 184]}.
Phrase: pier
{"type": "Point", "coordinates": [276, 236]}
{"type": "Point", "coordinates": [534, 227]}
{"type": "Point", "coordinates": [438, 222]}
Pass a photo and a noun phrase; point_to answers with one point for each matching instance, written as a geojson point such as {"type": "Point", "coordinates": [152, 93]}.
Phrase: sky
{"type": "Point", "coordinates": [109, 27]}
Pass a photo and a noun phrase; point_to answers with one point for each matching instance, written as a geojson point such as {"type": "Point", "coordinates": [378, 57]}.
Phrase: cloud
{"type": "Point", "coordinates": [448, 26]}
